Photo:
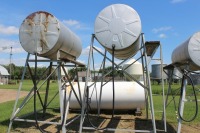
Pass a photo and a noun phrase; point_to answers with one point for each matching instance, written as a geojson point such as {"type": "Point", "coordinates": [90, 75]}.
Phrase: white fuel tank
{"type": "Point", "coordinates": [119, 25]}
{"type": "Point", "coordinates": [128, 95]}
{"type": "Point", "coordinates": [188, 52]}
{"type": "Point", "coordinates": [44, 34]}
{"type": "Point", "coordinates": [134, 69]}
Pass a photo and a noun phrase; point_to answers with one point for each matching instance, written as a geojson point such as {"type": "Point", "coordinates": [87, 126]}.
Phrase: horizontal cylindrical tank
{"type": "Point", "coordinates": [188, 53]}
{"type": "Point", "coordinates": [44, 34]}
{"type": "Point", "coordinates": [134, 69]}
{"type": "Point", "coordinates": [156, 72]}
{"type": "Point", "coordinates": [128, 95]}
{"type": "Point", "coordinates": [119, 25]}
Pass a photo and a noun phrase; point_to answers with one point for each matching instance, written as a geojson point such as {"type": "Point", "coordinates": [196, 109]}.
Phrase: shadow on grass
{"type": "Point", "coordinates": [120, 121]}
{"type": "Point", "coordinates": [142, 124]}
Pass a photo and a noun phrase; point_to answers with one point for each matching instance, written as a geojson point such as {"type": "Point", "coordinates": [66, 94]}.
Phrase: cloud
{"type": "Point", "coordinates": [8, 43]}
{"type": "Point", "coordinates": [162, 36]}
{"type": "Point", "coordinates": [86, 50]}
{"type": "Point", "coordinates": [16, 61]}
{"type": "Point", "coordinates": [177, 1]}
{"type": "Point", "coordinates": [17, 50]}
{"type": "Point", "coordinates": [71, 22]}
{"type": "Point", "coordinates": [5, 46]}
{"type": "Point", "coordinates": [74, 24]}
{"type": "Point", "coordinates": [161, 29]}
{"type": "Point", "coordinates": [8, 30]}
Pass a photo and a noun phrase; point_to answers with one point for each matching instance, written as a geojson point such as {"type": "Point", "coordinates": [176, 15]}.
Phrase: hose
{"type": "Point", "coordinates": [88, 117]}
{"type": "Point", "coordinates": [113, 101]}
{"type": "Point", "coordinates": [185, 75]}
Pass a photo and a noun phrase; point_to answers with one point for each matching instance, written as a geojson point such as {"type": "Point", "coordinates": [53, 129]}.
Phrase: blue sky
{"type": "Point", "coordinates": [169, 21]}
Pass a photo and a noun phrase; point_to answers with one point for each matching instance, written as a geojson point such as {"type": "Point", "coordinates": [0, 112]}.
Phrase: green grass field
{"type": "Point", "coordinates": [7, 107]}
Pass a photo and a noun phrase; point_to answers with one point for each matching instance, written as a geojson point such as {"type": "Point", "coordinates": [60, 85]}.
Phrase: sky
{"type": "Point", "coordinates": [169, 21]}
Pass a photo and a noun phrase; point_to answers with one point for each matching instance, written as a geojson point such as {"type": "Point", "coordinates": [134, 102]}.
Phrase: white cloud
{"type": "Point", "coordinates": [14, 50]}
{"type": "Point", "coordinates": [8, 43]}
{"type": "Point", "coordinates": [71, 22]}
{"type": "Point", "coordinates": [177, 1]}
{"type": "Point", "coordinates": [5, 46]}
{"type": "Point", "coordinates": [161, 29]}
{"type": "Point", "coordinates": [86, 50]}
{"type": "Point", "coordinates": [162, 36]}
{"type": "Point", "coordinates": [8, 30]}
{"type": "Point", "coordinates": [18, 61]}
{"type": "Point", "coordinates": [74, 24]}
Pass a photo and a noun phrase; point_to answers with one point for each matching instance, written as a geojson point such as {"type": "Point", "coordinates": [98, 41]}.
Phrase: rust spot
{"type": "Point", "coordinates": [30, 22]}
{"type": "Point", "coordinates": [45, 25]}
{"type": "Point", "coordinates": [30, 19]}
{"type": "Point", "coordinates": [46, 13]}
{"type": "Point", "coordinates": [31, 16]}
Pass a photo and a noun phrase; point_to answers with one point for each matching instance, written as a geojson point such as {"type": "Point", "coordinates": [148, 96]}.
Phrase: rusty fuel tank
{"type": "Point", "coordinates": [44, 34]}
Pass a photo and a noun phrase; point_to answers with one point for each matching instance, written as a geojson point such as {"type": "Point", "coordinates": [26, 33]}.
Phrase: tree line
{"type": "Point", "coordinates": [17, 71]}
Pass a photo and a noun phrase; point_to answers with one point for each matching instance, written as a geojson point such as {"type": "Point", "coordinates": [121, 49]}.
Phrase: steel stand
{"type": "Point", "coordinates": [146, 86]}
{"type": "Point", "coordinates": [148, 83]}
{"type": "Point", "coordinates": [182, 100]}
{"type": "Point", "coordinates": [64, 98]}
{"type": "Point", "coordinates": [181, 108]}
{"type": "Point", "coordinates": [184, 67]}
{"type": "Point", "coordinates": [150, 49]}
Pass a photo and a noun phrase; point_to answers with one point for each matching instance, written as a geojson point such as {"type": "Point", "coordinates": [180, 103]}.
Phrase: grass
{"type": "Point", "coordinates": [7, 107]}
{"type": "Point", "coordinates": [26, 86]}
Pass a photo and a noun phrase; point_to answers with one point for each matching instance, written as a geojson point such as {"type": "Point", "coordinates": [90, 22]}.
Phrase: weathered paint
{"type": "Point", "coordinates": [44, 34]}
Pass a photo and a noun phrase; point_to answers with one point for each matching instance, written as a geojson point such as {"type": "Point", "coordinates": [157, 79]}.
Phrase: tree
{"type": "Point", "coordinates": [72, 72]}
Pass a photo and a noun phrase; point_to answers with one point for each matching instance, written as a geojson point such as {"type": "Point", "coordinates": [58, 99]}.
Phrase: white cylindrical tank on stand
{"type": "Point", "coordinates": [119, 25]}
{"type": "Point", "coordinates": [156, 72]}
{"type": "Point", "coordinates": [188, 53]}
{"type": "Point", "coordinates": [128, 95]}
{"type": "Point", "coordinates": [134, 70]}
{"type": "Point", "coordinates": [44, 34]}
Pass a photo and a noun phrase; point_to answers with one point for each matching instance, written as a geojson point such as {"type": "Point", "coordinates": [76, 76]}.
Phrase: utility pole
{"type": "Point", "coordinates": [10, 62]}
{"type": "Point", "coordinates": [5, 48]}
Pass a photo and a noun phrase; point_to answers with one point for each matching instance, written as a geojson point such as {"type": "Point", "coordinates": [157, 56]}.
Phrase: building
{"type": "Point", "coordinates": [82, 76]}
{"type": "Point", "coordinates": [3, 75]}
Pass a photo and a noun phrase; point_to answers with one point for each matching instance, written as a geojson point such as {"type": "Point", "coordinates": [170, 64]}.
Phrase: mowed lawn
{"type": "Point", "coordinates": [7, 107]}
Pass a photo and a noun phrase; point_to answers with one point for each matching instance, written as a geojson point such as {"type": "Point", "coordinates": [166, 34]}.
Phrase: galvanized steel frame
{"type": "Point", "coordinates": [182, 100]}
{"type": "Point", "coordinates": [160, 59]}
{"type": "Point", "coordinates": [183, 96]}
{"type": "Point", "coordinates": [146, 86]}
{"type": "Point", "coordinates": [64, 109]}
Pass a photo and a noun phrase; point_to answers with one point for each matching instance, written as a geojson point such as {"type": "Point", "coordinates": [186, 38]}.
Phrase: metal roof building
{"type": "Point", "coordinates": [3, 75]}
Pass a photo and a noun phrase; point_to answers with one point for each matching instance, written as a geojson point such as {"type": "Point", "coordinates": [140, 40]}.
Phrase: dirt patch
{"type": "Point", "coordinates": [9, 95]}
{"type": "Point", "coordinates": [120, 121]}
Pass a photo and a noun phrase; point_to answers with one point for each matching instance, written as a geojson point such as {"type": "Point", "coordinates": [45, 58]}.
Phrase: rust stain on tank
{"type": "Point", "coordinates": [31, 16]}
